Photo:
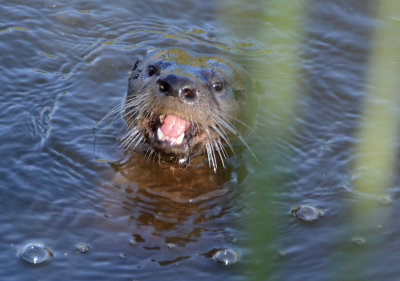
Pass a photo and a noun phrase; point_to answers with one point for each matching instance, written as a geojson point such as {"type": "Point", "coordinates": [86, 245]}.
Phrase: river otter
{"type": "Point", "coordinates": [182, 104]}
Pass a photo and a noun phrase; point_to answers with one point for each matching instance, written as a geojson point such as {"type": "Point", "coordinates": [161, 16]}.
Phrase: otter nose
{"type": "Point", "coordinates": [178, 86]}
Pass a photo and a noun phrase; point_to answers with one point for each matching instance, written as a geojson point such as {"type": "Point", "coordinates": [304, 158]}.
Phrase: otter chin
{"type": "Point", "coordinates": [181, 105]}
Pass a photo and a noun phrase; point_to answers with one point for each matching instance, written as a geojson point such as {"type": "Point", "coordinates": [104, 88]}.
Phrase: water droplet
{"type": "Point", "coordinates": [182, 161]}
{"type": "Point", "coordinates": [226, 256]}
{"type": "Point", "coordinates": [136, 238]}
{"type": "Point", "coordinates": [83, 248]}
{"type": "Point", "coordinates": [133, 242]}
{"type": "Point", "coordinates": [307, 212]}
{"type": "Point", "coordinates": [35, 253]}
{"type": "Point", "coordinates": [171, 245]}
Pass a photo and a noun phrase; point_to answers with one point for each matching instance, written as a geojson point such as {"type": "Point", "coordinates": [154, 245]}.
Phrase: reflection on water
{"type": "Point", "coordinates": [170, 213]}
{"type": "Point", "coordinates": [171, 202]}
{"type": "Point", "coordinates": [63, 66]}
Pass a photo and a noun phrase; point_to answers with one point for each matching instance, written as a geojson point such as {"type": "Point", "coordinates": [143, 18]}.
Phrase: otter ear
{"type": "Point", "coordinates": [136, 64]}
{"type": "Point", "coordinates": [135, 71]}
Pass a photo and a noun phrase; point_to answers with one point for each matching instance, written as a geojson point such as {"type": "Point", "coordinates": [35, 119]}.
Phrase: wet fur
{"type": "Point", "coordinates": [214, 123]}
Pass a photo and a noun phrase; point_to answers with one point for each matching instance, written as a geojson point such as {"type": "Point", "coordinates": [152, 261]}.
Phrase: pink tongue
{"type": "Point", "coordinates": [173, 126]}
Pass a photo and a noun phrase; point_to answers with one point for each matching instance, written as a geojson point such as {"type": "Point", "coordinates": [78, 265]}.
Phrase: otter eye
{"type": "Point", "coordinates": [152, 70]}
{"type": "Point", "coordinates": [218, 86]}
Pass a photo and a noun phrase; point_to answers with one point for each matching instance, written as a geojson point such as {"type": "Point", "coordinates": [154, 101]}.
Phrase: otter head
{"type": "Point", "coordinates": [181, 105]}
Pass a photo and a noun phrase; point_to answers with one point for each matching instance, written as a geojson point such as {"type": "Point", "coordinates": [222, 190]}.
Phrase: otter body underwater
{"type": "Point", "coordinates": [181, 105]}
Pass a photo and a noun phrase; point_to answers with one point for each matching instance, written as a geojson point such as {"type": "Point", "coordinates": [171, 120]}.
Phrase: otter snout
{"type": "Point", "coordinates": [181, 87]}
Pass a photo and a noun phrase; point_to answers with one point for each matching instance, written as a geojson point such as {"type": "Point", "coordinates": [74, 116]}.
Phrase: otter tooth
{"type": "Point", "coordinates": [160, 134]}
{"type": "Point", "coordinates": [172, 141]}
{"type": "Point", "coordinates": [162, 118]}
{"type": "Point", "coordinates": [180, 139]}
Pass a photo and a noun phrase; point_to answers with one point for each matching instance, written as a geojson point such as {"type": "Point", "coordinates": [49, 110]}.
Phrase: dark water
{"type": "Point", "coordinates": [64, 65]}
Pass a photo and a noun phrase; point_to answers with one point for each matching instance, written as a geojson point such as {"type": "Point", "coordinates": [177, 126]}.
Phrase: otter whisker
{"type": "Point", "coordinates": [133, 103]}
{"type": "Point", "coordinates": [132, 109]}
{"type": "Point", "coordinates": [227, 116]}
{"type": "Point", "coordinates": [130, 132]}
{"type": "Point", "coordinates": [131, 118]}
{"type": "Point", "coordinates": [210, 150]}
{"type": "Point", "coordinates": [230, 127]}
{"type": "Point", "coordinates": [134, 100]}
{"type": "Point", "coordinates": [222, 148]}
{"type": "Point", "coordinates": [149, 152]}
{"type": "Point", "coordinates": [137, 142]}
{"type": "Point", "coordinates": [217, 147]}
{"type": "Point", "coordinates": [134, 137]}
{"type": "Point", "coordinates": [191, 122]}
{"type": "Point", "coordinates": [226, 124]}
{"type": "Point", "coordinates": [137, 139]}
{"type": "Point", "coordinates": [116, 110]}
{"type": "Point", "coordinates": [127, 142]}
{"type": "Point", "coordinates": [221, 133]}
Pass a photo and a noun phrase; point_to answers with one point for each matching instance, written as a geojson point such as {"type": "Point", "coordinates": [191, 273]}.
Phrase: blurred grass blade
{"type": "Point", "coordinates": [376, 152]}
{"type": "Point", "coordinates": [374, 167]}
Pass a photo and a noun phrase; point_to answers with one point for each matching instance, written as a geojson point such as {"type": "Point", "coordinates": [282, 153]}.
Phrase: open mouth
{"type": "Point", "coordinates": [172, 130]}
{"type": "Point", "coordinates": [173, 135]}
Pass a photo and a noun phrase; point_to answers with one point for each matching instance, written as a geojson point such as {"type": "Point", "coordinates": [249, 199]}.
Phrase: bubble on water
{"type": "Point", "coordinates": [358, 240]}
{"type": "Point", "coordinates": [83, 248]}
{"type": "Point", "coordinates": [35, 253]}
{"type": "Point", "coordinates": [307, 212]}
{"type": "Point", "coordinates": [226, 256]}
{"type": "Point", "coordinates": [384, 199]}
{"type": "Point", "coordinates": [282, 253]}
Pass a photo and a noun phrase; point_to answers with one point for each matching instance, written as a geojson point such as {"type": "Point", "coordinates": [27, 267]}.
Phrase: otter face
{"type": "Point", "coordinates": [182, 105]}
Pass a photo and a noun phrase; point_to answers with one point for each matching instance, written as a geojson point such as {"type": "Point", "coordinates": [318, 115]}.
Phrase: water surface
{"type": "Point", "coordinates": [64, 66]}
